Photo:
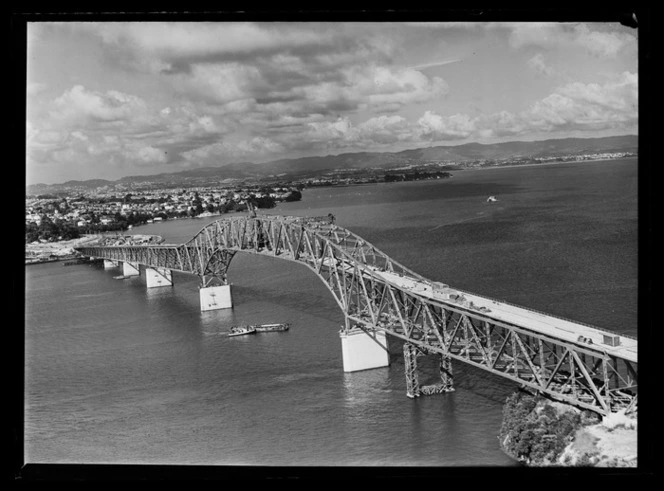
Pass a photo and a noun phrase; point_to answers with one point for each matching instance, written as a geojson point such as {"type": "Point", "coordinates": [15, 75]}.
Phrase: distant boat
{"type": "Point", "coordinates": [241, 330]}
{"type": "Point", "coordinates": [271, 327]}
{"type": "Point", "coordinates": [121, 277]}
{"type": "Point", "coordinates": [491, 199]}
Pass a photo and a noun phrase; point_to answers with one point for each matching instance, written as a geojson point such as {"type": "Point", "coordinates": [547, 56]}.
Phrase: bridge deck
{"type": "Point", "coordinates": [522, 317]}
{"type": "Point", "coordinates": [544, 352]}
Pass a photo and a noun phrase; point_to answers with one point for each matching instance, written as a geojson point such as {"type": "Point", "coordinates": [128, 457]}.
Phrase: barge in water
{"type": "Point", "coordinates": [271, 327]}
{"type": "Point", "coordinates": [241, 330]}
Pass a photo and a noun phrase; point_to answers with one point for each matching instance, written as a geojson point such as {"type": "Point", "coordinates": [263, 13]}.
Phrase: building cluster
{"type": "Point", "coordinates": [589, 156]}
{"type": "Point", "coordinates": [106, 208]}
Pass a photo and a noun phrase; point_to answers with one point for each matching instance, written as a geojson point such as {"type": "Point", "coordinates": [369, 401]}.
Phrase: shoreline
{"type": "Point", "coordinates": [56, 248]}
{"type": "Point", "coordinates": [547, 163]}
{"type": "Point", "coordinates": [50, 252]}
{"type": "Point", "coordinates": [575, 438]}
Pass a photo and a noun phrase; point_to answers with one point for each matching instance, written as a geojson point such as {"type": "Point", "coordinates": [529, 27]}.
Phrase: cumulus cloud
{"type": "Point", "coordinates": [434, 127]}
{"type": "Point", "coordinates": [575, 106]}
{"type": "Point", "coordinates": [242, 91]}
{"type": "Point", "coordinates": [385, 129]}
{"type": "Point", "coordinates": [117, 128]}
{"type": "Point", "coordinates": [389, 86]}
{"type": "Point", "coordinates": [79, 105]}
{"type": "Point", "coordinates": [589, 106]}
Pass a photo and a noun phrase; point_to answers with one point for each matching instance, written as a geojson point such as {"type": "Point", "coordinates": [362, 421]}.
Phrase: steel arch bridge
{"type": "Point", "coordinates": [542, 353]}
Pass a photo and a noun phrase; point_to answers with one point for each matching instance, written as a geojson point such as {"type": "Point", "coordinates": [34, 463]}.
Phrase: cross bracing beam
{"type": "Point", "coordinates": [376, 292]}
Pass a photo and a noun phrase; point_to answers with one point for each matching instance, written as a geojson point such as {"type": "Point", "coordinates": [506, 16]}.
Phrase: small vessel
{"type": "Point", "coordinates": [241, 330]}
{"type": "Point", "coordinates": [121, 277]}
{"type": "Point", "coordinates": [491, 199]}
{"type": "Point", "coordinates": [271, 327]}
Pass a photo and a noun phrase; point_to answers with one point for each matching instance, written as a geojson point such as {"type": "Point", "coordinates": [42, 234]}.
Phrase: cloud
{"type": "Point", "coordinates": [78, 105]}
{"type": "Point", "coordinates": [569, 36]}
{"type": "Point", "coordinates": [435, 63]}
{"type": "Point", "coordinates": [372, 87]}
{"type": "Point", "coordinates": [538, 64]}
{"type": "Point", "coordinates": [220, 83]}
{"type": "Point", "coordinates": [385, 129]}
{"type": "Point", "coordinates": [113, 129]}
{"type": "Point", "coordinates": [226, 151]}
{"type": "Point", "coordinates": [434, 127]}
{"type": "Point", "coordinates": [203, 40]}
{"type": "Point", "coordinates": [575, 106]}
{"type": "Point", "coordinates": [243, 91]}
{"type": "Point", "coordinates": [379, 85]}
{"type": "Point", "coordinates": [151, 155]}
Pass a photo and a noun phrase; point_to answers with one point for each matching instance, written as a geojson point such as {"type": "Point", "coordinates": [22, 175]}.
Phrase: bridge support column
{"type": "Point", "coordinates": [129, 269]}
{"type": "Point", "coordinates": [413, 388]}
{"type": "Point", "coordinates": [216, 297]}
{"type": "Point", "coordinates": [410, 353]}
{"type": "Point", "coordinates": [364, 350]}
{"type": "Point", "coordinates": [108, 264]}
{"type": "Point", "coordinates": [155, 277]}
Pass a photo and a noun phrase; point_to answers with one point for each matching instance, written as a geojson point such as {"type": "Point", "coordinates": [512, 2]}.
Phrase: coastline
{"type": "Point", "coordinates": [49, 252]}
{"type": "Point", "coordinates": [544, 433]}
{"type": "Point", "coordinates": [546, 163]}
{"type": "Point", "coordinates": [63, 250]}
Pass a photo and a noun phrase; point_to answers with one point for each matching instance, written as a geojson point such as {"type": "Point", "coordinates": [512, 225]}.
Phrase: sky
{"type": "Point", "coordinates": [112, 99]}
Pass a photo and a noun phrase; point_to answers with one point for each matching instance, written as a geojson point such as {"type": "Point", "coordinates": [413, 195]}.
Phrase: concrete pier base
{"type": "Point", "coordinates": [155, 277]}
{"type": "Point", "coordinates": [364, 350]}
{"type": "Point", "coordinates": [216, 297]}
{"type": "Point", "coordinates": [129, 269]}
{"type": "Point", "coordinates": [108, 264]}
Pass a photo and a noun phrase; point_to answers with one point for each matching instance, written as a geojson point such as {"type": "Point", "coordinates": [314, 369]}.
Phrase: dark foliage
{"type": "Point", "coordinates": [534, 431]}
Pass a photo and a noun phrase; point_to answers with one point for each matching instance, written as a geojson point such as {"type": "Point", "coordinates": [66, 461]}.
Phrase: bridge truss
{"type": "Point", "coordinates": [364, 283]}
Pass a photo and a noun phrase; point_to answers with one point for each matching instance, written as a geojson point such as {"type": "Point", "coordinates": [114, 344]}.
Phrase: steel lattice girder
{"type": "Point", "coordinates": [350, 268]}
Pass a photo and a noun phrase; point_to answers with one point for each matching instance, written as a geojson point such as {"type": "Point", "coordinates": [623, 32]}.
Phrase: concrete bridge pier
{"type": "Point", "coordinates": [363, 350]}
{"type": "Point", "coordinates": [130, 269]}
{"type": "Point", "coordinates": [413, 388]}
{"type": "Point", "coordinates": [108, 264]}
{"type": "Point", "coordinates": [155, 277]}
{"type": "Point", "coordinates": [216, 297]}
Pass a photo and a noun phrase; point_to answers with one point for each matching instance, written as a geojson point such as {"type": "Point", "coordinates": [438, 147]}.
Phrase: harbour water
{"type": "Point", "coordinates": [116, 373]}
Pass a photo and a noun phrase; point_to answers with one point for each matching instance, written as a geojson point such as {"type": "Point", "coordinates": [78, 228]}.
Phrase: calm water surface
{"type": "Point", "coordinates": [116, 373]}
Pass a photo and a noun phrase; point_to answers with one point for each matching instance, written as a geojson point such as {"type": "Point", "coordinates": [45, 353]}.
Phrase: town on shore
{"type": "Point", "coordinates": [53, 220]}
{"type": "Point", "coordinates": [65, 216]}
{"type": "Point", "coordinates": [53, 223]}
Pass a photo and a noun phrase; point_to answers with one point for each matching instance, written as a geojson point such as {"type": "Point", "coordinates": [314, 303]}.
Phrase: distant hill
{"type": "Point", "coordinates": [310, 166]}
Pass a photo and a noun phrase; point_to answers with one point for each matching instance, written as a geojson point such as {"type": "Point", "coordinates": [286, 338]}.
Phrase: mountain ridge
{"type": "Point", "coordinates": [301, 166]}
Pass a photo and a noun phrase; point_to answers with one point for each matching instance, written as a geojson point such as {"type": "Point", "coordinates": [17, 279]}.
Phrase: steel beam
{"type": "Point", "coordinates": [351, 268]}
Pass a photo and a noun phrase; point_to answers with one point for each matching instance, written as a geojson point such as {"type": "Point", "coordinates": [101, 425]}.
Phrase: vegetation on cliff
{"type": "Point", "coordinates": [540, 432]}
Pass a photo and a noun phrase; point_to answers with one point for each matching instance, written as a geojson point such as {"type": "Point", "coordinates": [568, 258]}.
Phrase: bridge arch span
{"type": "Point", "coordinates": [378, 294]}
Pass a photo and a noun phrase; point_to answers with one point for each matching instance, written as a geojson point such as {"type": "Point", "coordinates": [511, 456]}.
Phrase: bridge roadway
{"type": "Point", "coordinates": [520, 316]}
{"type": "Point", "coordinates": [543, 353]}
